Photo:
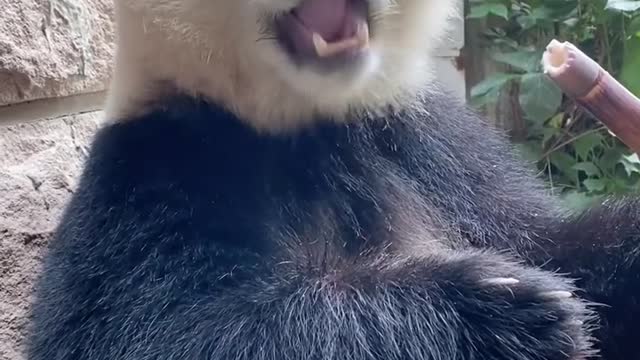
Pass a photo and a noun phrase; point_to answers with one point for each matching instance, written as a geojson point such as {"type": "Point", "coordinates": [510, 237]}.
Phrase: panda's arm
{"type": "Point", "coordinates": [471, 306]}
{"type": "Point", "coordinates": [497, 202]}
{"type": "Point", "coordinates": [601, 248]}
{"type": "Point", "coordinates": [474, 305]}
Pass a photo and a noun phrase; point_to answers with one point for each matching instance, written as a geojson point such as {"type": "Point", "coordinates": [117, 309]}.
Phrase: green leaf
{"type": "Point", "coordinates": [530, 152]}
{"type": "Point", "coordinates": [483, 10]}
{"type": "Point", "coordinates": [571, 22]}
{"type": "Point", "coordinates": [557, 121]}
{"type": "Point", "coordinates": [500, 10]}
{"type": "Point", "coordinates": [540, 98]}
{"type": "Point", "coordinates": [562, 161]}
{"type": "Point", "coordinates": [595, 185]}
{"type": "Point", "coordinates": [631, 164]}
{"type": "Point", "coordinates": [634, 25]}
{"type": "Point", "coordinates": [578, 201]}
{"type": "Point", "coordinates": [549, 133]}
{"type": "Point", "coordinates": [541, 13]}
{"type": "Point", "coordinates": [492, 82]}
{"type": "Point", "coordinates": [528, 61]}
{"type": "Point", "coordinates": [588, 167]}
{"type": "Point", "coordinates": [630, 73]}
{"type": "Point", "coordinates": [609, 159]}
{"type": "Point", "coordinates": [538, 15]}
{"type": "Point", "coordinates": [486, 99]}
{"type": "Point", "coordinates": [586, 144]}
{"type": "Point", "coordinates": [560, 10]}
{"type": "Point", "coordinates": [623, 5]}
{"type": "Point", "coordinates": [526, 22]}
{"type": "Point", "coordinates": [633, 158]}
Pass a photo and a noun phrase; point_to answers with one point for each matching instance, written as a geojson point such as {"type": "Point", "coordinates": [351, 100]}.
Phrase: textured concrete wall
{"type": "Point", "coordinates": [39, 163]}
{"type": "Point", "coordinates": [51, 48]}
{"type": "Point", "coordinates": [55, 61]}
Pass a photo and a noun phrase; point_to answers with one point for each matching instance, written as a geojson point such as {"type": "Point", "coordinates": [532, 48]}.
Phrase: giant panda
{"type": "Point", "coordinates": [286, 179]}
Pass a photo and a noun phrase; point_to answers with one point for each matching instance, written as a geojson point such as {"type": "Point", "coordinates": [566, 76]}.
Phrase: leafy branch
{"type": "Point", "coordinates": [567, 145]}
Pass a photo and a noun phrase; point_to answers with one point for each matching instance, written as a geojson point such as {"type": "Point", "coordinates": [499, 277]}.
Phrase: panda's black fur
{"type": "Point", "coordinates": [192, 236]}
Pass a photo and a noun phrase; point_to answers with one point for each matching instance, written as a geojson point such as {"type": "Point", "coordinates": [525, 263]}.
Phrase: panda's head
{"type": "Point", "coordinates": [277, 63]}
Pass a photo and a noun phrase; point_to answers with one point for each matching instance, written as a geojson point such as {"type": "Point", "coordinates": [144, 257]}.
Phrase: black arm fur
{"type": "Point", "coordinates": [601, 248]}
{"type": "Point", "coordinates": [192, 237]}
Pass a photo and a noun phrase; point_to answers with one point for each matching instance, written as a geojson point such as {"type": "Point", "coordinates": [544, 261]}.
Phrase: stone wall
{"type": "Point", "coordinates": [39, 162]}
{"type": "Point", "coordinates": [55, 61]}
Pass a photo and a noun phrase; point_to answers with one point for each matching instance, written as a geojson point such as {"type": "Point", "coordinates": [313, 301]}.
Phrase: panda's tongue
{"type": "Point", "coordinates": [324, 28]}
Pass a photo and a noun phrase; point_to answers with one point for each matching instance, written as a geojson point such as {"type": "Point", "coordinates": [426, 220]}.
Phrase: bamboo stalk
{"type": "Point", "coordinates": [593, 88]}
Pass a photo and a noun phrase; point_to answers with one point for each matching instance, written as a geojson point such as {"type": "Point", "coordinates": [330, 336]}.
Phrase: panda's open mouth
{"type": "Point", "coordinates": [323, 30]}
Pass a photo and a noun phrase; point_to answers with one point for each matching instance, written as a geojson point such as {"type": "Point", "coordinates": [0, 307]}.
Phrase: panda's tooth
{"type": "Point", "coordinates": [362, 34]}
{"type": "Point", "coordinates": [320, 44]}
{"type": "Point", "coordinates": [325, 49]}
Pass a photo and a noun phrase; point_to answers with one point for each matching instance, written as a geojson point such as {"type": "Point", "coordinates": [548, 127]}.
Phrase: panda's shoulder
{"type": "Point", "coordinates": [175, 124]}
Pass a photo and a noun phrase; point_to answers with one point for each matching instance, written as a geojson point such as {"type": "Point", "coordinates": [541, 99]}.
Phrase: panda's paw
{"type": "Point", "coordinates": [511, 311]}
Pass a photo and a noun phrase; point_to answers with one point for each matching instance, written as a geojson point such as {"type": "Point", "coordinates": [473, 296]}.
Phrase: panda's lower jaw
{"type": "Point", "coordinates": [325, 33]}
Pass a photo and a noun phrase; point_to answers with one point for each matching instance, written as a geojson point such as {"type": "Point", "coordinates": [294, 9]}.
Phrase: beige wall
{"type": "Point", "coordinates": [55, 60]}
{"type": "Point", "coordinates": [447, 53]}
{"type": "Point", "coordinates": [55, 57]}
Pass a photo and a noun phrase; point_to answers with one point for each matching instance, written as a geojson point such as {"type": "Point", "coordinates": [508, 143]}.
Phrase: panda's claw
{"type": "Point", "coordinates": [501, 281]}
{"type": "Point", "coordinates": [557, 295]}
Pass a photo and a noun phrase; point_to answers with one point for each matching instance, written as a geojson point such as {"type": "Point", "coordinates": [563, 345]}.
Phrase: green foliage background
{"type": "Point", "coordinates": [576, 154]}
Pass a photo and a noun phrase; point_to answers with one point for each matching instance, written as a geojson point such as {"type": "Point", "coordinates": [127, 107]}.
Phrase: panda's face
{"type": "Point", "coordinates": [348, 46]}
{"type": "Point", "coordinates": [320, 56]}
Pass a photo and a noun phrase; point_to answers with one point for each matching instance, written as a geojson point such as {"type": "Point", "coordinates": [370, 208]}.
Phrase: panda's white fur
{"type": "Point", "coordinates": [216, 49]}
